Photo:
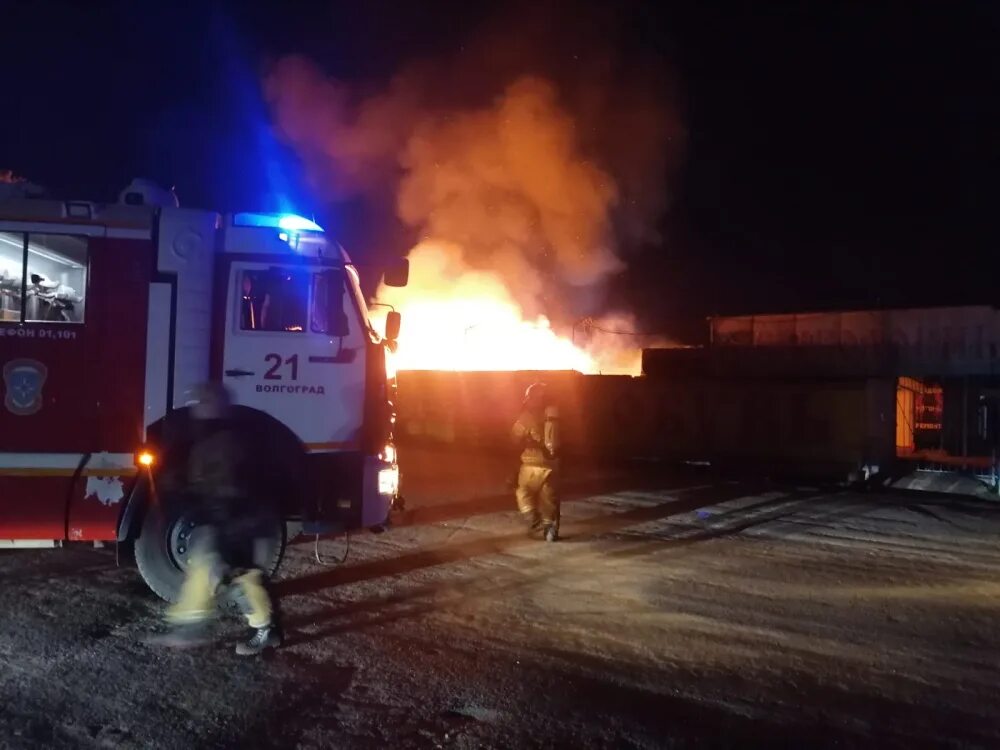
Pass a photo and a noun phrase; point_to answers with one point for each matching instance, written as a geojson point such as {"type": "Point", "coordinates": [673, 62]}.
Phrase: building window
{"type": "Point", "coordinates": [43, 278]}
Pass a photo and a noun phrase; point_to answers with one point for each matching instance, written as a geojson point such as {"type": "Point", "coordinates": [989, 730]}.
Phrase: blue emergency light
{"type": "Point", "coordinates": [285, 222]}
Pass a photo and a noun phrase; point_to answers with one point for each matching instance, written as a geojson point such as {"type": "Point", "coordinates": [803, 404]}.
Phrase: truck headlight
{"type": "Point", "coordinates": [388, 481]}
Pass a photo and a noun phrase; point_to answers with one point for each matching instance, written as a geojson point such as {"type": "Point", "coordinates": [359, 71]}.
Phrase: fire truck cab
{"type": "Point", "coordinates": [111, 313]}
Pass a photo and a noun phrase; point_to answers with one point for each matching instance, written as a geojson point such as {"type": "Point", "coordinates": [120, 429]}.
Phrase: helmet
{"type": "Point", "coordinates": [209, 401]}
{"type": "Point", "coordinates": [535, 392]}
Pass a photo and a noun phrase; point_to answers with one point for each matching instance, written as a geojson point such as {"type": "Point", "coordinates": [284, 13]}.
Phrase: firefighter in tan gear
{"type": "Point", "coordinates": [216, 486]}
{"type": "Point", "coordinates": [536, 433]}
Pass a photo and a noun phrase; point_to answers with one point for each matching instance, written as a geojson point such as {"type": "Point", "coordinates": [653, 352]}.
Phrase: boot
{"type": "Point", "coordinates": [263, 638]}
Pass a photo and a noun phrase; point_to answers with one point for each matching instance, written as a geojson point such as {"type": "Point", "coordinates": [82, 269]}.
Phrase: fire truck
{"type": "Point", "coordinates": [111, 313]}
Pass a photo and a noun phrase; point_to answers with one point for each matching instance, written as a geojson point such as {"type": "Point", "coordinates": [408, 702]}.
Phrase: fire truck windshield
{"type": "Point", "coordinates": [354, 281]}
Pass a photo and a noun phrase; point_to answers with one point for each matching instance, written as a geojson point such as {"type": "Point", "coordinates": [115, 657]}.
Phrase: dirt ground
{"type": "Point", "coordinates": [679, 610]}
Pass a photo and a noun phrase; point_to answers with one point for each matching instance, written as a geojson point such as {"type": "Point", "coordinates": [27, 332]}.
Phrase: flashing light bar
{"type": "Point", "coordinates": [285, 222]}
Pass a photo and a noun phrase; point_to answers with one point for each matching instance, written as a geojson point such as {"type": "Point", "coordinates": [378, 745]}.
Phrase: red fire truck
{"type": "Point", "coordinates": [111, 313]}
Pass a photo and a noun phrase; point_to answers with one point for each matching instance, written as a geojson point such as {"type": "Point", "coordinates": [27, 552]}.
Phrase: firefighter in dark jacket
{"type": "Point", "coordinates": [536, 434]}
{"type": "Point", "coordinates": [214, 484]}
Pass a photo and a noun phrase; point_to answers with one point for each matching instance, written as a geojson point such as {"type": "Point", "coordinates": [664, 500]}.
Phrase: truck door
{"type": "Point", "coordinates": [294, 348]}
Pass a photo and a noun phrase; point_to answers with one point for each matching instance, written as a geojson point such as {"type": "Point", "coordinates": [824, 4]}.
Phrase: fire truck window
{"type": "Point", "coordinates": [274, 300]}
{"type": "Point", "coordinates": [11, 276]}
{"type": "Point", "coordinates": [57, 279]}
{"type": "Point", "coordinates": [328, 314]}
{"type": "Point", "coordinates": [55, 289]}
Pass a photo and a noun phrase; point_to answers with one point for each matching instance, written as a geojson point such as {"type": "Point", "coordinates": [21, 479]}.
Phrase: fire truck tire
{"type": "Point", "coordinates": [161, 552]}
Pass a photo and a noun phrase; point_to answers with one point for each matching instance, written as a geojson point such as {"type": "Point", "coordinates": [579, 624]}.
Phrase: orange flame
{"type": "Point", "coordinates": [462, 319]}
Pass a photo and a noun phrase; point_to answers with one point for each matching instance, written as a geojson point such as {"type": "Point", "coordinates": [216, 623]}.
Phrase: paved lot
{"type": "Point", "coordinates": [678, 611]}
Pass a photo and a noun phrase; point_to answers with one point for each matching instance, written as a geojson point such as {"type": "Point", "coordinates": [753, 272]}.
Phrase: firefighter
{"type": "Point", "coordinates": [216, 491]}
{"type": "Point", "coordinates": [536, 434]}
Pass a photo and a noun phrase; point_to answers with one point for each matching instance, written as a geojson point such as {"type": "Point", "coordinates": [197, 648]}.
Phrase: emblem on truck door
{"type": "Point", "coordinates": [23, 380]}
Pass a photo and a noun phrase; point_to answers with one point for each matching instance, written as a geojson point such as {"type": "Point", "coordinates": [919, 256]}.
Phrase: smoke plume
{"type": "Point", "coordinates": [537, 152]}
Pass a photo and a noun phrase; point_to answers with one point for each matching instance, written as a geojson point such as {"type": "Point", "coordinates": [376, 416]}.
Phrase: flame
{"type": "Point", "coordinates": [464, 319]}
{"type": "Point", "coordinates": [481, 333]}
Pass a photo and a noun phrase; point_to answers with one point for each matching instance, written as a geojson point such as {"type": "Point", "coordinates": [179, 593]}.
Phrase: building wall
{"type": "Point", "coordinates": [831, 426]}
{"type": "Point", "coordinates": [915, 342]}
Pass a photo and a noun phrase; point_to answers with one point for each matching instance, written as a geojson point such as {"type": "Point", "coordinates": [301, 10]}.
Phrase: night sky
{"type": "Point", "coordinates": [839, 154]}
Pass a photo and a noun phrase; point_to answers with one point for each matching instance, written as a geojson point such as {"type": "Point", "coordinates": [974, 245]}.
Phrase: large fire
{"type": "Point", "coordinates": [463, 319]}
{"type": "Point", "coordinates": [481, 333]}
{"type": "Point", "coordinates": [524, 190]}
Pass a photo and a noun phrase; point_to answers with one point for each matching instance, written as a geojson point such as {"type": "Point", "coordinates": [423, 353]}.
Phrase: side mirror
{"type": "Point", "coordinates": [398, 273]}
{"type": "Point", "coordinates": [392, 323]}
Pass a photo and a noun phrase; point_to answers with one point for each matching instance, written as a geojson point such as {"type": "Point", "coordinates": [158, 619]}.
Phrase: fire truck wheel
{"type": "Point", "coordinates": [162, 551]}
